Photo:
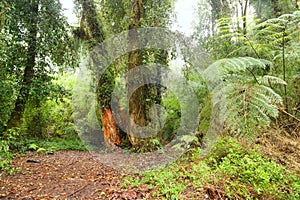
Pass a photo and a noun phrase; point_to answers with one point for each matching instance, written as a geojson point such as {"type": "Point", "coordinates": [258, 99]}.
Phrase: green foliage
{"type": "Point", "coordinates": [50, 125]}
{"type": "Point", "coordinates": [7, 82]}
{"type": "Point", "coordinates": [157, 13]}
{"type": "Point", "coordinates": [278, 39]}
{"type": "Point", "coordinates": [53, 116]}
{"type": "Point", "coordinates": [251, 102]}
{"type": "Point", "coordinates": [34, 44]}
{"type": "Point", "coordinates": [169, 182]}
{"type": "Point", "coordinates": [240, 172]}
{"type": "Point", "coordinates": [205, 116]}
{"type": "Point", "coordinates": [6, 154]}
{"type": "Point", "coordinates": [272, 34]}
{"type": "Point", "coordinates": [53, 144]}
{"type": "Point", "coordinates": [171, 104]}
{"type": "Point", "coordinates": [7, 97]}
{"type": "Point", "coordinates": [244, 168]}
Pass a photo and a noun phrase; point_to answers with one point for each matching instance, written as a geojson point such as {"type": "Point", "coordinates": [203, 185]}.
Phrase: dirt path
{"type": "Point", "coordinates": [77, 175]}
{"type": "Point", "coordinates": [65, 175]}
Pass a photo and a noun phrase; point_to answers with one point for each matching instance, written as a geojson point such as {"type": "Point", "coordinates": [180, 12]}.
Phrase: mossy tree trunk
{"type": "Point", "coordinates": [91, 29]}
{"type": "Point", "coordinates": [141, 99]}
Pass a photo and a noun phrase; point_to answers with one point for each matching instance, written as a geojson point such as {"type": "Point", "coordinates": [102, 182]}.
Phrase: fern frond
{"type": "Point", "coordinates": [273, 96]}
{"type": "Point", "coordinates": [264, 107]}
{"type": "Point", "coordinates": [267, 80]}
{"type": "Point", "coordinates": [240, 64]}
{"type": "Point", "coordinates": [250, 106]}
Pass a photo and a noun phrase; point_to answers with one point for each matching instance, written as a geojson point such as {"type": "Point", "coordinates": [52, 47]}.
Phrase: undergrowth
{"type": "Point", "coordinates": [13, 145]}
{"type": "Point", "coordinates": [6, 155]}
{"type": "Point", "coordinates": [235, 171]}
{"type": "Point", "coordinates": [53, 144]}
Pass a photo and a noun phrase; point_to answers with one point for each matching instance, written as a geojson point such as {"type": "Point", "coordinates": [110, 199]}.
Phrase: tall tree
{"type": "Point", "coordinates": [28, 75]}
{"type": "Point", "coordinates": [114, 17]}
{"type": "Point", "coordinates": [137, 103]}
{"type": "Point", "coordinates": [6, 86]}
{"type": "Point", "coordinates": [39, 33]}
{"type": "Point", "coordinates": [156, 14]}
{"type": "Point", "coordinates": [92, 30]}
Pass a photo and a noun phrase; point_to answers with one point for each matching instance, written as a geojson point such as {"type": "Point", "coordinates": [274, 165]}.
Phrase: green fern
{"type": "Point", "coordinates": [241, 64]}
{"type": "Point", "coordinates": [251, 102]}
{"type": "Point", "coordinates": [276, 28]}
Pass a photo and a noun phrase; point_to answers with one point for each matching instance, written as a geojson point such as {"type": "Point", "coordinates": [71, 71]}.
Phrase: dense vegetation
{"type": "Point", "coordinates": [231, 170]}
{"type": "Point", "coordinates": [254, 44]}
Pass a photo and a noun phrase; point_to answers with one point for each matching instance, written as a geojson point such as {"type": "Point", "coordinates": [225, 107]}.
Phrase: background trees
{"type": "Point", "coordinates": [37, 46]}
{"type": "Point", "coordinates": [118, 16]}
{"type": "Point", "coordinates": [248, 28]}
{"type": "Point", "coordinates": [255, 45]}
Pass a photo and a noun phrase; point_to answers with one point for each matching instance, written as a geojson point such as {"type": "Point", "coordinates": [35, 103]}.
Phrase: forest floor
{"type": "Point", "coordinates": [282, 148]}
{"type": "Point", "coordinates": [65, 175]}
{"type": "Point", "coordinates": [77, 175]}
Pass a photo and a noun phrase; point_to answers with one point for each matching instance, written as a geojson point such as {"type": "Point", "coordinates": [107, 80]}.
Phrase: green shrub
{"type": "Point", "coordinates": [245, 169]}
{"type": "Point", "coordinates": [237, 170]}
{"type": "Point", "coordinates": [6, 154]}
{"type": "Point", "coordinates": [52, 144]}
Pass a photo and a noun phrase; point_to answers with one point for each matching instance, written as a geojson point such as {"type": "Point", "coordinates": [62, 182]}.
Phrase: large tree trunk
{"type": "Point", "coordinates": [28, 76]}
{"type": "Point", "coordinates": [137, 102]}
{"type": "Point", "coordinates": [109, 126]}
{"type": "Point", "coordinates": [145, 96]}
{"type": "Point", "coordinates": [96, 35]}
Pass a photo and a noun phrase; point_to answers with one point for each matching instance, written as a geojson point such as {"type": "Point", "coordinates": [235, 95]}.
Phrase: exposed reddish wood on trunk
{"type": "Point", "coordinates": [109, 128]}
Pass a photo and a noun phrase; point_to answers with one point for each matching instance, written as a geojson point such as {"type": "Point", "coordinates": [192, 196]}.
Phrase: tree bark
{"type": "Point", "coordinates": [109, 128]}
{"type": "Point", "coordinates": [276, 8]}
{"type": "Point", "coordinates": [89, 14]}
{"type": "Point", "coordinates": [244, 16]}
{"type": "Point", "coordinates": [138, 106]}
{"type": "Point", "coordinates": [95, 36]}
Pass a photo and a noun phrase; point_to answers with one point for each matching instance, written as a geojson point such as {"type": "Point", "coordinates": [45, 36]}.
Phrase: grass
{"type": "Point", "coordinates": [234, 171]}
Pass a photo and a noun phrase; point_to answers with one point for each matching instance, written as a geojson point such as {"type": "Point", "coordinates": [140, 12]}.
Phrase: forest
{"type": "Point", "coordinates": [119, 105]}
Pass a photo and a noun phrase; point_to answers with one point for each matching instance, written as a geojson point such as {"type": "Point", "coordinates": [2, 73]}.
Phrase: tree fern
{"type": "Point", "coordinates": [251, 102]}
{"type": "Point", "coordinates": [276, 40]}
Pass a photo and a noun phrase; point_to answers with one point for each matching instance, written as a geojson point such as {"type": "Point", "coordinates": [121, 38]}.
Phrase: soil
{"type": "Point", "coordinates": [78, 175]}
{"type": "Point", "coordinates": [65, 175]}
{"type": "Point", "coordinates": [282, 148]}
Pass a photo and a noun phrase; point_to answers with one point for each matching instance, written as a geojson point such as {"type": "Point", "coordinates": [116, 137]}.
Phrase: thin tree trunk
{"type": "Point", "coordinates": [284, 70]}
{"type": "Point", "coordinates": [17, 112]}
{"type": "Point", "coordinates": [244, 17]}
{"type": "Point", "coordinates": [276, 8]}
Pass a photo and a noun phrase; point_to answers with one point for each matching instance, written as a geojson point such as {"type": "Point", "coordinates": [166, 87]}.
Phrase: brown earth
{"type": "Point", "coordinates": [77, 175]}
{"type": "Point", "coordinates": [65, 175]}
{"type": "Point", "coordinates": [282, 148]}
